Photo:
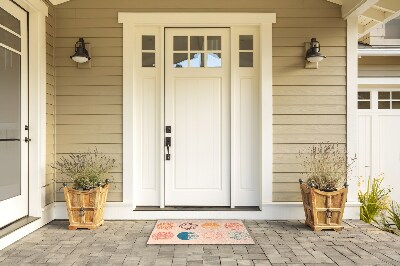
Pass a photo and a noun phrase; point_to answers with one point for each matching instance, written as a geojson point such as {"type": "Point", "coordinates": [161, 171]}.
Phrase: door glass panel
{"type": "Point", "coordinates": [10, 121]}
{"type": "Point", "coordinates": [246, 59]}
{"type": "Point", "coordinates": [148, 42]}
{"type": "Point", "coordinates": [364, 95]}
{"type": "Point", "coordinates": [197, 60]}
{"type": "Point", "coordinates": [148, 59]}
{"type": "Point", "coordinates": [396, 95]}
{"type": "Point", "coordinates": [180, 43]}
{"type": "Point", "coordinates": [7, 20]}
{"type": "Point", "coordinates": [214, 43]}
{"type": "Point", "coordinates": [180, 60]}
{"type": "Point", "coordinates": [10, 39]}
{"type": "Point", "coordinates": [364, 105]}
{"type": "Point", "coordinates": [214, 60]}
{"type": "Point", "coordinates": [384, 95]}
{"type": "Point", "coordinates": [384, 105]}
{"type": "Point", "coordinates": [197, 43]}
{"type": "Point", "coordinates": [396, 105]}
{"type": "Point", "coordinates": [246, 42]}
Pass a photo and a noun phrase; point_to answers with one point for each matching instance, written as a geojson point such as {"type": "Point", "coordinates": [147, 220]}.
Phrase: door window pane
{"type": "Point", "coordinates": [246, 59]}
{"type": "Point", "coordinates": [364, 105]}
{"type": "Point", "coordinates": [180, 43]}
{"type": "Point", "coordinates": [180, 60]}
{"type": "Point", "coordinates": [148, 42]}
{"type": "Point", "coordinates": [10, 124]}
{"type": "Point", "coordinates": [396, 95]}
{"type": "Point", "coordinates": [364, 95]}
{"type": "Point", "coordinates": [214, 43]}
{"type": "Point", "coordinates": [197, 60]}
{"type": "Point", "coordinates": [396, 105]}
{"type": "Point", "coordinates": [384, 105]}
{"type": "Point", "coordinates": [197, 43]}
{"type": "Point", "coordinates": [384, 95]}
{"type": "Point", "coordinates": [7, 20]}
{"type": "Point", "coordinates": [148, 59]}
{"type": "Point", "coordinates": [10, 39]}
{"type": "Point", "coordinates": [214, 60]}
{"type": "Point", "coordinates": [246, 42]}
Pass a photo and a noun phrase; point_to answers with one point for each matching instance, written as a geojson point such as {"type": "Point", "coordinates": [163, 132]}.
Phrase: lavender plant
{"type": "Point", "coordinates": [86, 170]}
{"type": "Point", "coordinates": [325, 166]}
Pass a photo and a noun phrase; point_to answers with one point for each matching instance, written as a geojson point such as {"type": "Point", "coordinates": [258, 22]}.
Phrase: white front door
{"type": "Point", "coordinates": [13, 113]}
{"type": "Point", "coordinates": [378, 135]}
{"type": "Point", "coordinates": [197, 108]}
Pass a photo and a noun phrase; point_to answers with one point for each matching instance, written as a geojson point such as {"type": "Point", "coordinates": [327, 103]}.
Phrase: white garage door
{"type": "Point", "coordinates": [379, 136]}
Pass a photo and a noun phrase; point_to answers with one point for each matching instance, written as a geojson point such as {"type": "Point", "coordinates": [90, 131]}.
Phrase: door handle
{"type": "Point", "coordinates": [27, 139]}
{"type": "Point", "coordinates": [168, 144]}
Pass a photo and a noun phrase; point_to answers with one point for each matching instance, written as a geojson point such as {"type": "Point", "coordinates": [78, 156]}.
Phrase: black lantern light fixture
{"type": "Point", "coordinates": [313, 54]}
{"type": "Point", "coordinates": [81, 54]}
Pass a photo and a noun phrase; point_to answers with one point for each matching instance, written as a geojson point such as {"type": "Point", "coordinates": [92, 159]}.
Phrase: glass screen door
{"type": "Point", "coordinates": [13, 113]}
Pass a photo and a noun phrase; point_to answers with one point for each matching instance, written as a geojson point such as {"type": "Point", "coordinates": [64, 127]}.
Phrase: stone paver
{"type": "Point", "coordinates": [277, 243]}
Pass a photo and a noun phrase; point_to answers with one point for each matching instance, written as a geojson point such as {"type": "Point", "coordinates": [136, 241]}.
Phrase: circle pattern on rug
{"type": "Point", "coordinates": [187, 236]}
{"type": "Point", "coordinates": [210, 225]}
{"type": "Point", "coordinates": [162, 235]}
{"type": "Point", "coordinates": [234, 226]}
{"type": "Point", "coordinates": [188, 226]}
{"type": "Point", "coordinates": [165, 226]}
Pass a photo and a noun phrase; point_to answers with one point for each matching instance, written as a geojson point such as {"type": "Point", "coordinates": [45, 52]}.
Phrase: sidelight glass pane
{"type": "Point", "coordinates": [364, 105]}
{"type": "Point", "coordinates": [214, 60]}
{"type": "Point", "coordinates": [246, 59]}
{"type": "Point", "coordinates": [180, 43]}
{"type": "Point", "coordinates": [180, 60]}
{"type": "Point", "coordinates": [7, 20]}
{"type": "Point", "coordinates": [246, 42]}
{"type": "Point", "coordinates": [197, 60]}
{"type": "Point", "coordinates": [148, 59]}
{"type": "Point", "coordinates": [10, 121]}
{"type": "Point", "coordinates": [364, 95]}
{"type": "Point", "coordinates": [148, 42]}
{"type": "Point", "coordinates": [196, 43]}
{"type": "Point", "coordinates": [214, 43]}
{"type": "Point", "coordinates": [10, 40]}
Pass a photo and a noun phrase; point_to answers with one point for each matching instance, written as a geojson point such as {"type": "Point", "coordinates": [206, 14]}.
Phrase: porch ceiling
{"type": "Point", "coordinates": [371, 13]}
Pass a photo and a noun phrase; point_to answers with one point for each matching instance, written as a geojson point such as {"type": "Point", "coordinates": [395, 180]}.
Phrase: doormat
{"type": "Point", "coordinates": [200, 232]}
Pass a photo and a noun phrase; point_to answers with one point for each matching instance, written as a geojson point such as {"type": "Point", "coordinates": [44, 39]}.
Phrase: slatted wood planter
{"type": "Point", "coordinates": [323, 210]}
{"type": "Point", "coordinates": [85, 207]}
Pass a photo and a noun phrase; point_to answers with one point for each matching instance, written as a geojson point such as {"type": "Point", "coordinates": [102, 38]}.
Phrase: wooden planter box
{"type": "Point", "coordinates": [85, 207]}
{"type": "Point", "coordinates": [323, 210]}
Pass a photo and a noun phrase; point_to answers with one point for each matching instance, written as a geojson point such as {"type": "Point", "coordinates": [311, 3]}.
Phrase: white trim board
{"type": "Point", "coordinates": [379, 80]}
{"type": "Point", "coordinates": [132, 124]}
{"type": "Point", "coordinates": [270, 211]}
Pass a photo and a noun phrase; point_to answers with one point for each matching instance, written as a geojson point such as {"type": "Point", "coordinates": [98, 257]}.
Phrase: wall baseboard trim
{"type": "Point", "coordinates": [270, 211]}
{"type": "Point", "coordinates": [47, 216]}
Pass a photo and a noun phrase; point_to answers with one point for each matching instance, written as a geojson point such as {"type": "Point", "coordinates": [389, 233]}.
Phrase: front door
{"type": "Point", "coordinates": [13, 113]}
{"type": "Point", "coordinates": [197, 110]}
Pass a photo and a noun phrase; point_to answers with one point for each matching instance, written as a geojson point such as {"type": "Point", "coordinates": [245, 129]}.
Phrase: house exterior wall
{"type": "Point", "coordinates": [48, 189]}
{"type": "Point", "coordinates": [379, 66]}
{"type": "Point", "coordinates": [309, 104]}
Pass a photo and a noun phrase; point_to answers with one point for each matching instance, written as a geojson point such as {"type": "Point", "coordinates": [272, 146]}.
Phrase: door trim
{"type": "Point", "coordinates": [132, 128]}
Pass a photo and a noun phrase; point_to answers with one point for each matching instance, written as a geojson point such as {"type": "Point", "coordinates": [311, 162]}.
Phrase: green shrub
{"type": "Point", "coordinates": [374, 201]}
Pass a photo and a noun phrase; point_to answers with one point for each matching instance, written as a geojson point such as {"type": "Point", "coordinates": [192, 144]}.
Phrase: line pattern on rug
{"type": "Point", "coordinates": [220, 232]}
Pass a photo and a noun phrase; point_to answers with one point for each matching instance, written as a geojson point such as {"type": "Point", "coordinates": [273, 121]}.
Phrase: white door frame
{"type": "Point", "coordinates": [131, 122]}
{"type": "Point", "coordinates": [37, 12]}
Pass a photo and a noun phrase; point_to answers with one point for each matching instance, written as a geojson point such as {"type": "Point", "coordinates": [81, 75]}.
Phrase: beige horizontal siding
{"type": "Point", "coordinates": [379, 66]}
{"type": "Point", "coordinates": [49, 184]}
{"type": "Point", "coordinates": [309, 104]}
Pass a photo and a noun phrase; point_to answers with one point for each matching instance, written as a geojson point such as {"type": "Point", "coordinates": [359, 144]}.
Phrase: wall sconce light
{"type": "Point", "coordinates": [81, 54]}
{"type": "Point", "coordinates": [313, 55]}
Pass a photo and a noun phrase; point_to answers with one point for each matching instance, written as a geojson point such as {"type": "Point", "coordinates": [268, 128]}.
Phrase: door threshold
{"type": "Point", "coordinates": [196, 208]}
{"type": "Point", "coordinates": [8, 229]}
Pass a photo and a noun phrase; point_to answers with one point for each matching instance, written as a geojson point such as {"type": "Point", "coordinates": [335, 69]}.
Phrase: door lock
{"type": "Point", "coordinates": [168, 144]}
{"type": "Point", "coordinates": [27, 139]}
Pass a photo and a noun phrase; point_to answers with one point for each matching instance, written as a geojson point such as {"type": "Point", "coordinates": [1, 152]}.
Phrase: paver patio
{"type": "Point", "coordinates": [277, 243]}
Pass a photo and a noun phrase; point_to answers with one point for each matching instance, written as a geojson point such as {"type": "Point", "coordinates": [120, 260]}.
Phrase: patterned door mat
{"type": "Point", "coordinates": [203, 232]}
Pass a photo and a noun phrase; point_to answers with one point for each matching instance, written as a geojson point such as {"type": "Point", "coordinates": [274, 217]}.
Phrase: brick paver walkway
{"type": "Point", "coordinates": [278, 243]}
